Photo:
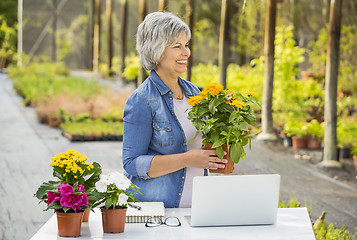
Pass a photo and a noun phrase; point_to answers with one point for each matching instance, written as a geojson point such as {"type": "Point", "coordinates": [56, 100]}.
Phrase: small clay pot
{"type": "Point", "coordinates": [300, 142]}
{"type": "Point", "coordinates": [229, 166]}
{"type": "Point", "coordinates": [69, 224]}
{"type": "Point", "coordinates": [113, 220]}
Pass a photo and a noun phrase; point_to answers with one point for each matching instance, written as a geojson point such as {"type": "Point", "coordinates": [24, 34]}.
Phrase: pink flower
{"type": "Point", "coordinates": [65, 189]}
{"type": "Point", "coordinates": [81, 188]}
{"type": "Point", "coordinates": [51, 196]}
{"type": "Point", "coordinates": [74, 201]}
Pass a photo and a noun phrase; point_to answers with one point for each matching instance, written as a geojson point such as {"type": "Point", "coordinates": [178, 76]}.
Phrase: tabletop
{"type": "Point", "coordinates": [292, 223]}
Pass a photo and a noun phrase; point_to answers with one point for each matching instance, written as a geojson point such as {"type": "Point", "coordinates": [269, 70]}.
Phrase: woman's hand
{"type": "Point", "coordinates": [202, 158]}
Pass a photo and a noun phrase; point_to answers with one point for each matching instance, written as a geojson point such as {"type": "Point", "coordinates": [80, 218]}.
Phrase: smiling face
{"type": "Point", "coordinates": [173, 61]}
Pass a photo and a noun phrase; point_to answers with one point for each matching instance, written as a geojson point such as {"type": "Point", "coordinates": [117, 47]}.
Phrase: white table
{"type": "Point", "coordinates": [292, 224]}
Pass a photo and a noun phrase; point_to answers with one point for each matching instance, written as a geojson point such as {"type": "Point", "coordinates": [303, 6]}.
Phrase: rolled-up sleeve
{"type": "Point", "coordinates": [137, 136]}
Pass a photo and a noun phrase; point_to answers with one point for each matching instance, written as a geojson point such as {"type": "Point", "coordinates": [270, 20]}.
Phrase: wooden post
{"type": "Point", "coordinates": [90, 33]}
{"type": "Point", "coordinates": [142, 14]}
{"type": "Point", "coordinates": [123, 20]}
{"type": "Point", "coordinates": [190, 4]}
{"type": "Point", "coordinates": [267, 113]}
{"type": "Point", "coordinates": [19, 32]}
{"type": "Point", "coordinates": [96, 36]}
{"type": "Point", "coordinates": [108, 10]}
{"type": "Point", "coordinates": [224, 42]}
{"type": "Point", "coordinates": [332, 62]}
{"type": "Point", "coordinates": [54, 34]}
{"type": "Point", "coordinates": [163, 5]}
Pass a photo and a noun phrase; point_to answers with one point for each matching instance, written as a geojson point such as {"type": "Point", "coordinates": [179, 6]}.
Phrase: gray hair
{"type": "Point", "coordinates": [155, 33]}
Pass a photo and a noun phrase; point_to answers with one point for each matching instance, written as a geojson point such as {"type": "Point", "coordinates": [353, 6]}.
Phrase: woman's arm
{"type": "Point", "coordinates": [198, 157]}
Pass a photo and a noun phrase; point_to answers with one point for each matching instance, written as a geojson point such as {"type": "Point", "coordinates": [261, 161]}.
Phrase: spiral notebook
{"type": "Point", "coordinates": [148, 209]}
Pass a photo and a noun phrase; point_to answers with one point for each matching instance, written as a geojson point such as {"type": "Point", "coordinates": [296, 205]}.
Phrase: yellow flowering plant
{"type": "Point", "coordinates": [223, 117]}
{"type": "Point", "coordinates": [71, 168]}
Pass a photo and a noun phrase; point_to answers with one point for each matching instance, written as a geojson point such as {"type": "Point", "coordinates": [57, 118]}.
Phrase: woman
{"type": "Point", "coordinates": [156, 129]}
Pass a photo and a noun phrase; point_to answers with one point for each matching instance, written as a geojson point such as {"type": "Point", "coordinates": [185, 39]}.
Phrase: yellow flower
{"type": "Point", "coordinates": [231, 92]}
{"type": "Point", "coordinates": [238, 104]}
{"type": "Point", "coordinates": [248, 93]}
{"type": "Point", "coordinates": [213, 88]}
{"type": "Point", "coordinates": [203, 94]}
{"type": "Point", "coordinates": [194, 100]}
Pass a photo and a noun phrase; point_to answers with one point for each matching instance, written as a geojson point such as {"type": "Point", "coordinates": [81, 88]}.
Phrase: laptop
{"type": "Point", "coordinates": [233, 200]}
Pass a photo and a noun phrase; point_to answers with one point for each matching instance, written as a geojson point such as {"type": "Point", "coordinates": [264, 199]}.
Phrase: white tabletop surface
{"type": "Point", "coordinates": [292, 224]}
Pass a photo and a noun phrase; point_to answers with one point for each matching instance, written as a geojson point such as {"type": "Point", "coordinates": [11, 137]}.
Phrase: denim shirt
{"type": "Point", "coordinates": [152, 128]}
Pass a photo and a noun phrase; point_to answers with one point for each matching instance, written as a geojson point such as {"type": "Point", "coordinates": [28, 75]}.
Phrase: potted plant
{"type": "Point", "coordinates": [223, 117]}
{"type": "Point", "coordinates": [298, 130]}
{"type": "Point", "coordinates": [114, 190]}
{"type": "Point", "coordinates": [316, 133]}
{"type": "Point", "coordinates": [72, 192]}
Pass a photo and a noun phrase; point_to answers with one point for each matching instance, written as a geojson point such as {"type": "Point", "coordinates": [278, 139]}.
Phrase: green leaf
{"type": "Point", "coordinates": [193, 139]}
{"type": "Point", "coordinates": [53, 205]}
{"type": "Point", "coordinates": [236, 151]}
{"type": "Point", "coordinates": [90, 182]}
{"type": "Point", "coordinates": [45, 187]}
{"type": "Point", "coordinates": [218, 143]}
{"type": "Point", "coordinates": [220, 152]}
{"type": "Point", "coordinates": [211, 107]}
{"type": "Point", "coordinates": [233, 117]}
{"type": "Point", "coordinates": [115, 198]}
{"type": "Point", "coordinates": [243, 126]}
{"type": "Point", "coordinates": [108, 203]}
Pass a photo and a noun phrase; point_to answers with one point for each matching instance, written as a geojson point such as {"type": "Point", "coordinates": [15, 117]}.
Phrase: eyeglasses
{"type": "Point", "coordinates": [169, 221]}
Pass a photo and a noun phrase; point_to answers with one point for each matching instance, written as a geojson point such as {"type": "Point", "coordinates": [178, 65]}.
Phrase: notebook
{"type": "Point", "coordinates": [235, 200]}
{"type": "Point", "coordinates": [148, 209]}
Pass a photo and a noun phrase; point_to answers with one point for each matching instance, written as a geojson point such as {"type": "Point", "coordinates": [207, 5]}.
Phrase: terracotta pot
{"type": "Point", "coordinates": [86, 215]}
{"type": "Point", "coordinates": [69, 224]}
{"type": "Point", "coordinates": [299, 142]}
{"type": "Point", "coordinates": [313, 143]}
{"type": "Point", "coordinates": [355, 162]}
{"type": "Point", "coordinates": [113, 220]}
{"type": "Point", "coordinates": [229, 166]}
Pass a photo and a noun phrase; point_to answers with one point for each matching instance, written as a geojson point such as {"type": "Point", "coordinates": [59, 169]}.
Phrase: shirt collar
{"type": "Point", "coordinates": [163, 89]}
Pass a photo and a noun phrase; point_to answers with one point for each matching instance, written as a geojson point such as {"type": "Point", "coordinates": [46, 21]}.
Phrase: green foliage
{"type": "Point", "coordinates": [97, 127]}
{"type": "Point", "coordinates": [292, 203]}
{"type": "Point", "coordinates": [203, 74]}
{"type": "Point", "coordinates": [296, 128]}
{"type": "Point", "coordinates": [8, 38]}
{"type": "Point", "coordinates": [292, 98]}
{"type": "Point", "coordinates": [324, 232]}
{"type": "Point", "coordinates": [41, 80]}
{"type": "Point", "coordinates": [346, 132]}
{"type": "Point", "coordinates": [315, 129]}
{"type": "Point", "coordinates": [348, 56]}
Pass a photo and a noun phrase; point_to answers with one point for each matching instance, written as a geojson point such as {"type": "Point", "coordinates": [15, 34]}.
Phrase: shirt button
{"type": "Point", "coordinates": [170, 98]}
{"type": "Point", "coordinates": [179, 194]}
{"type": "Point", "coordinates": [183, 177]}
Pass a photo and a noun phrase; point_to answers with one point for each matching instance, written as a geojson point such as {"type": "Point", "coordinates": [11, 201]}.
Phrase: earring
{"type": "Point", "coordinates": [157, 64]}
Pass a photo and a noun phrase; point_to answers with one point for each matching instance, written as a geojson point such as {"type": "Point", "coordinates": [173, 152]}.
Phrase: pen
{"type": "Point", "coordinates": [134, 206]}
